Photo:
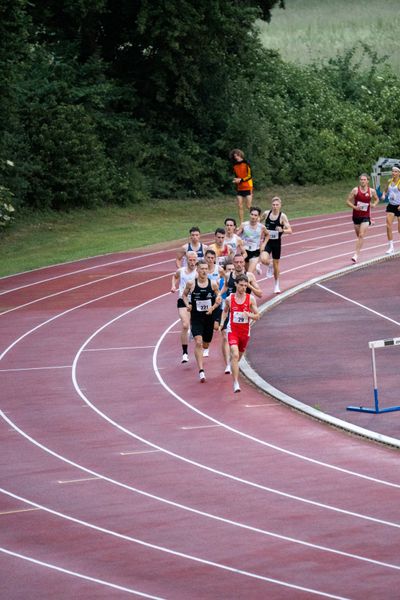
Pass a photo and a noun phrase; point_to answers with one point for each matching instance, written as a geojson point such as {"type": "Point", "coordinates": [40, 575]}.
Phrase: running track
{"type": "Point", "coordinates": [122, 475]}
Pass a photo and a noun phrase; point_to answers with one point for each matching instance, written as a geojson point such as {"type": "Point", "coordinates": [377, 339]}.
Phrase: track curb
{"type": "Point", "coordinates": [266, 387]}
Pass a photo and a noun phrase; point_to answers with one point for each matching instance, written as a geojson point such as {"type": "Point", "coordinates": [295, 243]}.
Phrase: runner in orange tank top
{"type": "Point", "coordinates": [243, 180]}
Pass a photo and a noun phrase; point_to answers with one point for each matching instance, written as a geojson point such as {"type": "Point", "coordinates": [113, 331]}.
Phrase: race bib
{"type": "Point", "coordinates": [203, 305]}
{"type": "Point", "coordinates": [274, 235]}
{"type": "Point", "coordinates": [251, 246]}
{"type": "Point", "coordinates": [240, 317]}
{"type": "Point", "coordinates": [362, 206]}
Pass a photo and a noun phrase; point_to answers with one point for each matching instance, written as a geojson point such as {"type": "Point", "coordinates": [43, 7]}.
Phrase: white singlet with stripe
{"type": "Point", "coordinates": [252, 236]}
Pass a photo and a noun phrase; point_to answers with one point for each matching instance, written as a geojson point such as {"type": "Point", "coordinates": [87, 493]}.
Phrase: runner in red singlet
{"type": "Point", "coordinates": [361, 199]}
{"type": "Point", "coordinates": [241, 308]}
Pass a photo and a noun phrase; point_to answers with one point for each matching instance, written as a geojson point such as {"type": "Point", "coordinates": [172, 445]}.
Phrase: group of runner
{"type": "Point", "coordinates": [217, 283]}
{"type": "Point", "coordinates": [363, 197]}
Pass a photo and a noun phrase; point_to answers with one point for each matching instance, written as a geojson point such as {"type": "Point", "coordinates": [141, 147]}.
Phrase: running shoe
{"type": "Point", "coordinates": [258, 269]}
{"type": "Point", "coordinates": [270, 272]}
{"type": "Point", "coordinates": [202, 376]}
{"type": "Point", "coordinates": [206, 352]}
{"type": "Point", "coordinates": [228, 370]}
{"type": "Point", "coordinates": [277, 288]}
{"type": "Point", "coordinates": [185, 358]}
{"type": "Point", "coordinates": [236, 387]}
{"type": "Point", "coordinates": [354, 258]}
{"type": "Point", "coordinates": [390, 250]}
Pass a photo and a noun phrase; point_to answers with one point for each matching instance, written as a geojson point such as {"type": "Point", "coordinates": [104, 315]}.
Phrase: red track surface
{"type": "Point", "coordinates": [121, 474]}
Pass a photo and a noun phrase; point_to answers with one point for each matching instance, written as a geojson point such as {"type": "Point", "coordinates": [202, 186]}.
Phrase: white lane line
{"type": "Point", "coordinates": [245, 435]}
{"type": "Point", "coordinates": [208, 417]}
{"type": "Point", "coordinates": [118, 348]}
{"type": "Point", "coordinates": [54, 567]}
{"type": "Point", "coordinates": [298, 221]}
{"type": "Point", "coordinates": [69, 310]}
{"type": "Point", "coordinates": [199, 426]}
{"type": "Point", "coordinates": [137, 451]}
{"type": "Point", "coordinates": [350, 240]}
{"type": "Point", "coordinates": [102, 265]}
{"type": "Point", "coordinates": [35, 368]}
{"type": "Point", "coordinates": [82, 285]}
{"type": "Point", "coordinates": [341, 243]}
{"type": "Point", "coordinates": [363, 306]}
{"type": "Point", "coordinates": [322, 260]}
{"type": "Point", "coordinates": [130, 433]}
{"type": "Point", "coordinates": [179, 506]}
{"type": "Point", "coordinates": [183, 555]}
{"type": "Point", "coordinates": [62, 481]}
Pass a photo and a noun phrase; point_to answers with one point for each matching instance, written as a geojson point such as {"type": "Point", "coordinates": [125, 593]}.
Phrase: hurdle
{"type": "Point", "coordinates": [377, 410]}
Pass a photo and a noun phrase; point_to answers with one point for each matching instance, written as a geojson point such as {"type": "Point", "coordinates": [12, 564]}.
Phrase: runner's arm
{"type": "Point", "coordinates": [286, 227]}
{"type": "Point", "coordinates": [175, 281]}
{"type": "Point", "coordinates": [179, 256]}
{"type": "Point", "coordinates": [185, 296]}
{"type": "Point", "coordinates": [253, 285]}
{"type": "Point", "coordinates": [350, 199]}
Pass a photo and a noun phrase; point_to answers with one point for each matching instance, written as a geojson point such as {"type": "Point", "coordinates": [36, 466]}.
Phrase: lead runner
{"type": "Point", "coordinates": [241, 308]}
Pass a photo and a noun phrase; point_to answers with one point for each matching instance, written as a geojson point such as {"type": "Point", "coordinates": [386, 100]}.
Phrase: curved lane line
{"type": "Point", "coordinates": [211, 469]}
{"type": "Point", "coordinates": [79, 575]}
{"type": "Point", "coordinates": [178, 505]}
{"type": "Point", "coordinates": [77, 287]}
{"type": "Point", "coordinates": [190, 557]}
{"type": "Point", "coordinates": [260, 383]}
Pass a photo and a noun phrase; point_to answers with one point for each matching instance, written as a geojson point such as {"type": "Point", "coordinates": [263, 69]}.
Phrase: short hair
{"type": "Point", "coordinates": [276, 198]}
{"type": "Point", "coordinates": [256, 208]}
{"type": "Point", "coordinates": [202, 262]}
{"type": "Point", "coordinates": [189, 253]}
{"type": "Point", "coordinates": [364, 175]}
{"type": "Point", "coordinates": [193, 229]}
{"type": "Point", "coordinates": [219, 230]}
{"type": "Point", "coordinates": [230, 219]}
{"type": "Point", "coordinates": [226, 262]}
{"type": "Point", "coordinates": [210, 251]}
{"type": "Point", "coordinates": [242, 278]}
{"type": "Point", "coordinates": [236, 151]}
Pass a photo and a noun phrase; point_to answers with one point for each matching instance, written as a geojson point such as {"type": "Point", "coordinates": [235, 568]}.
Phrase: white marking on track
{"type": "Point", "coordinates": [118, 348]}
{"type": "Point", "coordinates": [80, 480]}
{"type": "Point", "coordinates": [82, 285]}
{"type": "Point", "coordinates": [190, 557]}
{"type": "Point", "coordinates": [363, 306]}
{"type": "Point", "coordinates": [252, 438]}
{"type": "Point", "coordinates": [199, 426]}
{"type": "Point", "coordinates": [114, 586]}
{"type": "Point", "coordinates": [35, 368]}
{"type": "Point", "coordinates": [18, 510]}
{"type": "Point", "coordinates": [138, 452]}
{"type": "Point", "coordinates": [174, 504]}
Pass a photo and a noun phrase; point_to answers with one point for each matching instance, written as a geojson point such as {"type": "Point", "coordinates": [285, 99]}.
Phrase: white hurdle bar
{"type": "Point", "coordinates": [377, 410]}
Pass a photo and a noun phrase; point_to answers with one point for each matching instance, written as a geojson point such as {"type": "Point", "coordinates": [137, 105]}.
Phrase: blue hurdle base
{"type": "Point", "coordinates": [373, 410]}
{"type": "Point", "coordinates": [376, 410]}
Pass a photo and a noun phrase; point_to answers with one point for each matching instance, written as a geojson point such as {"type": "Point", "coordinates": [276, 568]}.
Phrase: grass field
{"type": "Point", "coordinates": [309, 30]}
{"type": "Point", "coordinates": [46, 239]}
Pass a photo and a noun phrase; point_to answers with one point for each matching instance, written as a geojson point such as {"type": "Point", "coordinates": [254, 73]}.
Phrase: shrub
{"type": "Point", "coordinates": [7, 209]}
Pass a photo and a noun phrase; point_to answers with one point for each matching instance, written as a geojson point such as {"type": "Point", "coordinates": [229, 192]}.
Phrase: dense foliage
{"type": "Point", "coordinates": [116, 101]}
